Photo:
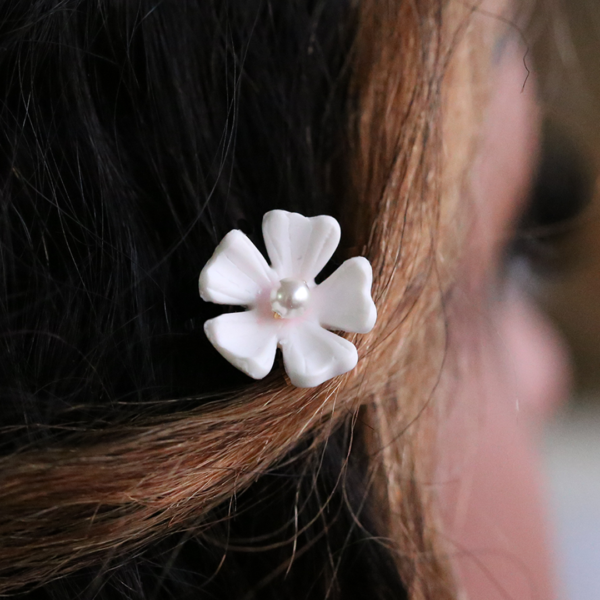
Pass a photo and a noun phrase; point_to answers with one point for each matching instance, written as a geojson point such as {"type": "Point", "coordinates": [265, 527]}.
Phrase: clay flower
{"type": "Point", "coordinates": [286, 308]}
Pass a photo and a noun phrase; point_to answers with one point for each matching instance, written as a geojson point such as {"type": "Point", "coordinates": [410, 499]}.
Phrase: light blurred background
{"type": "Point", "coordinates": [565, 49]}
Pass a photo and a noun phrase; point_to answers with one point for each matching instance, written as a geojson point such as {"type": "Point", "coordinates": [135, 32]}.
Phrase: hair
{"type": "Point", "coordinates": [136, 462]}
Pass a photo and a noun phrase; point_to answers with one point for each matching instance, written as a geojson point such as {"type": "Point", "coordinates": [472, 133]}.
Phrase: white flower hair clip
{"type": "Point", "coordinates": [286, 308]}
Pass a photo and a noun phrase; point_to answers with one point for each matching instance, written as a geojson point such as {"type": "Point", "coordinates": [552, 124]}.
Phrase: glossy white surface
{"type": "Point", "coordinates": [291, 298]}
{"type": "Point", "coordinates": [286, 309]}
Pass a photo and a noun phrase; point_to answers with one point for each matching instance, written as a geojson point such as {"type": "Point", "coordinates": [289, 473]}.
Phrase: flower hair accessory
{"type": "Point", "coordinates": [286, 308]}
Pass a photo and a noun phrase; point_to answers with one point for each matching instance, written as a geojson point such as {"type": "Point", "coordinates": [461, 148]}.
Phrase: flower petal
{"type": "Point", "coordinates": [236, 273]}
{"type": "Point", "coordinates": [245, 340]}
{"type": "Point", "coordinates": [344, 298]}
{"type": "Point", "coordinates": [312, 355]}
{"type": "Point", "coordinates": [299, 247]}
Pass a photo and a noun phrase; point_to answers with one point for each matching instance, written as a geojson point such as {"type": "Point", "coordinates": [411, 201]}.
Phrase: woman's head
{"type": "Point", "coordinates": [137, 462]}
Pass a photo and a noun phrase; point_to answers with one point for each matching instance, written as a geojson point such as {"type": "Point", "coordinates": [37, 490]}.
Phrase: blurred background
{"type": "Point", "coordinates": [564, 241]}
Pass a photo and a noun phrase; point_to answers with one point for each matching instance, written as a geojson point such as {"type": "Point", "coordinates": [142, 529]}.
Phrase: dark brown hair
{"type": "Point", "coordinates": [136, 462]}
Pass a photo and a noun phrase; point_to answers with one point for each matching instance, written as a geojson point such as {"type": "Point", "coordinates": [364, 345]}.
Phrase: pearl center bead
{"type": "Point", "coordinates": [290, 299]}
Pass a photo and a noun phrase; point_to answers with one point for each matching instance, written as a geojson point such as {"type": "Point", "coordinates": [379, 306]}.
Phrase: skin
{"type": "Point", "coordinates": [516, 367]}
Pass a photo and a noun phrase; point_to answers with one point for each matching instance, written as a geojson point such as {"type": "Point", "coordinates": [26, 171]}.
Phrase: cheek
{"type": "Point", "coordinates": [493, 492]}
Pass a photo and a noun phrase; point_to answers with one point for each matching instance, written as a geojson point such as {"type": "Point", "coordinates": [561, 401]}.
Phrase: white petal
{"type": "Point", "coordinates": [236, 273]}
{"type": "Point", "coordinates": [299, 247]}
{"type": "Point", "coordinates": [312, 355]}
{"type": "Point", "coordinates": [344, 300]}
{"type": "Point", "coordinates": [245, 340]}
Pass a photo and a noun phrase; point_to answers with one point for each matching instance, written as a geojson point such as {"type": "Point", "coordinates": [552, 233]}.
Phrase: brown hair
{"type": "Point", "coordinates": [108, 491]}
